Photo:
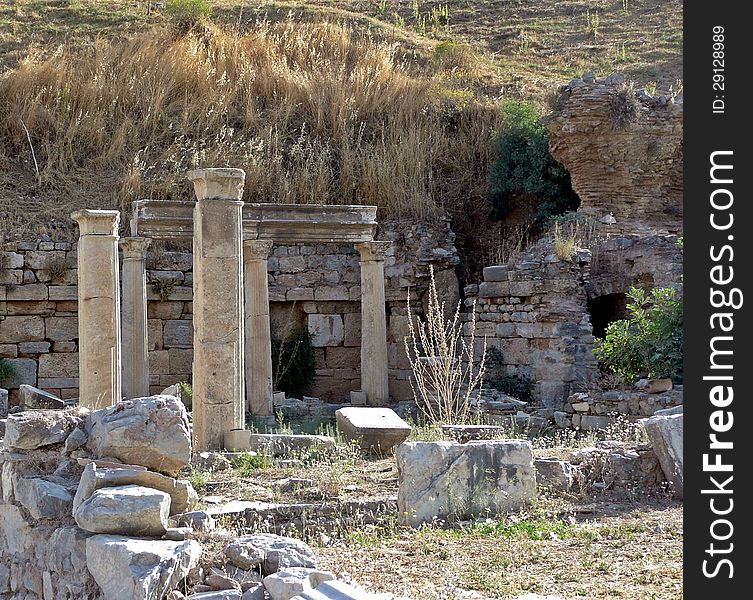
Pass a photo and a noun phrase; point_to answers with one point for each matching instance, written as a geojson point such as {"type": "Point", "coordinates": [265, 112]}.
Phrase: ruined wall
{"type": "Point", "coordinates": [624, 151]}
{"type": "Point", "coordinates": [317, 285]}
{"type": "Point", "coordinates": [534, 310]}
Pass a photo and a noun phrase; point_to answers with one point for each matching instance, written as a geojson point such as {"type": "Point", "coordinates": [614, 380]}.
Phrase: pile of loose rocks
{"type": "Point", "coordinates": [92, 508]}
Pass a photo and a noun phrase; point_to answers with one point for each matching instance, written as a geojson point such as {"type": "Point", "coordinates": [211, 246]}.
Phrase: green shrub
{"type": "Point", "coordinates": [247, 463]}
{"type": "Point", "coordinates": [186, 15]}
{"type": "Point", "coordinates": [294, 363]}
{"type": "Point", "coordinates": [649, 342]}
{"type": "Point", "coordinates": [525, 165]}
{"type": "Point", "coordinates": [6, 371]}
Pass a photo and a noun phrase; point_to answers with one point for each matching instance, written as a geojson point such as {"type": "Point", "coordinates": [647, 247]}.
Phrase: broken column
{"type": "Point", "coordinates": [258, 334]}
{"type": "Point", "coordinates": [218, 363]}
{"type": "Point", "coordinates": [374, 378]}
{"type": "Point", "coordinates": [135, 346]}
{"type": "Point", "coordinates": [98, 308]}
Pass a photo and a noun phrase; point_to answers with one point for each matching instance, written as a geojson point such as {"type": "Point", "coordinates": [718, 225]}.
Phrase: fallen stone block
{"type": "Point", "coordinates": [271, 552]}
{"type": "Point", "coordinates": [43, 499]}
{"type": "Point", "coordinates": [127, 510]}
{"type": "Point", "coordinates": [152, 432]}
{"type": "Point", "coordinates": [447, 480]}
{"type": "Point", "coordinates": [133, 569]}
{"type": "Point", "coordinates": [217, 595]}
{"type": "Point", "coordinates": [256, 592]}
{"type": "Point", "coordinates": [282, 446]}
{"type": "Point", "coordinates": [374, 429]}
{"type": "Point", "coordinates": [197, 520]}
{"type": "Point", "coordinates": [291, 582]}
{"type": "Point", "coordinates": [338, 590]}
{"type": "Point", "coordinates": [183, 497]}
{"type": "Point", "coordinates": [30, 430]}
{"type": "Point", "coordinates": [554, 474]}
{"type": "Point", "coordinates": [32, 397]}
{"type": "Point", "coordinates": [665, 433]}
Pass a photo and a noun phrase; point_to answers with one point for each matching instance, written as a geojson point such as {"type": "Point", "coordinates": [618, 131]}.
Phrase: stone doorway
{"type": "Point", "coordinates": [605, 310]}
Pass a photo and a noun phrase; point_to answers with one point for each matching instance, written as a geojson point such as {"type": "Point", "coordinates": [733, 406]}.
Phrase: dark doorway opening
{"type": "Point", "coordinates": [606, 309]}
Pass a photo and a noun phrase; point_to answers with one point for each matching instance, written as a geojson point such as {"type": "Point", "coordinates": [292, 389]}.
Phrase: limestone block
{"type": "Point", "coordinates": [11, 260]}
{"type": "Point", "coordinates": [665, 433]}
{"type": "Point", "coordinates": [270, 552]}
{"type": "Point", "coordinates": [496, 273]}
{"type": "Point", "coordinates": [16, 531]}
{"type": "Point", "coordinates": [331, 294]}
{"type": "Point", "coordinates": [33, 429]}
{"type": "Point", "coordinates": [496, 289]}
{"type": "Point", "coordinates": [282, 445]}
{"type": "Point", "coordinates": [24, 371]}
{"type": "Point", "coordinates": [447, 480]}
{"type": "Point", "coordinates": [59, 365]}
{"type": "Point", "coordinates": [326, 330]}
{"type": "Point", "coordinates": [63, 292]}
{"type": "Point", "coordinates": [154, 334]}
{"type": "Point", "coordinates": [17, 329]}
{"type": "Point", "coordinates": [291, 582]}
{"type": "Point", "coordinates": [164, 310]}
{"type": "Point", "coordinates": [32, 397]}
{"type": "Point", "coordinates": [8, 350]}
{"type": "Point", "coordinates": [28, 291]}
{"type": "Point", "coordinates": [128, 510]}
{"type": "Point", "coordinates": [44, 260]}
{"type": "Point", "coordinates": [178, 334]}
{"type": "Point", "coordinates": [553, 473]}
{"type": "Point", "coordinates": [10, 277]}
{"type": "Point", "coordinates": [34, 347]}
{"type": "Point", "coordinates": [132, 569]}
{"type": "Point", "coordinates": [219, 595]}
{"type": "Point", "coordinates": [374, 429]}
{"type": "Point", "coordinates": [300, 294]}
{"type": "Point", "coordinates": [159, 362]}
{"type": "Point", "coordinates": [343, 358]}
{"type": "Point", "coordinates": [152, 432]}
{"type": "Point", "coordinates": [43, 499]}
{"type": "Point", "coordinates": [181, 361]}
{"type": "Point", "coordinates": [594, 422]}
{"type": "Point", "coordinates": [339, 590]}
{"type": "Point", "coordinates": [183, 497]}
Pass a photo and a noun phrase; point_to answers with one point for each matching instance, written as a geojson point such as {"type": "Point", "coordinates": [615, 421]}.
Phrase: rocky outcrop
{"type": "Point", "coordinates": [624, 151]}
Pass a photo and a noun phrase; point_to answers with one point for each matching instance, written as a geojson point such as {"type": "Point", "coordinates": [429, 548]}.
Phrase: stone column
{"type": "Point", "coordinates": [258, 335]}
{"type": "Point", "coordinates": [218, 395]}
{"type": "Point", "coordinates": [135, 345]}
{"type": "Point", "coordinates": [374, 379]}
{"type": "Point", "coordinates": [98, 308]}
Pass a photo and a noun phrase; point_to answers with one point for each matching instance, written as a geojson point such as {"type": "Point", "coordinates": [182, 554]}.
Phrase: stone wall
{"type": "Point", "coordinates": [534, 310]}
{"type": "Point", "coordinates": [317, 285]}
{"type": "Point", "coordinates": [624, 151]}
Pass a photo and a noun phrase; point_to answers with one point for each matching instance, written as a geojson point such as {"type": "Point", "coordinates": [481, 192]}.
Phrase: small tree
{"type": "Point", "coordinates": [445, 367]}
{"type": "Point", "coordinates": [649, 343]}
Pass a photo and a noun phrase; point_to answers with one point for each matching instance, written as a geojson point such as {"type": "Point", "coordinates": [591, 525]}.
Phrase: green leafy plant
{"type": "Point", "coordinates": [186, 15]}
{"type": "Point", "coordinates": [524, 165]}
{"type": "Point", "coordinates": [294, 363]}
{"type": "Point", "coordinates": [248, 462]}
{"type": "Point", "coordinates": [7, 371]}
{"type": "Point", "coordinates": [649, 342]}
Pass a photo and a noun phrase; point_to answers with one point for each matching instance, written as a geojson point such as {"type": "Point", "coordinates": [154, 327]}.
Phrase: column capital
{"type": "Point", "coordinates": [256, 249]}
{"type": "Point", "coordinates": [97, 222]}
{"type": "Point", "coordinates": [373, 251]}
{"type": "Point", "coordinates": [220, 184]}
{"type": "Point", "coordinates": [134, 247]}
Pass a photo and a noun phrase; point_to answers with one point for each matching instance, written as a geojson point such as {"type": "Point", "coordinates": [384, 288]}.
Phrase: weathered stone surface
{"type": "Point", "coordinates": [326, 330]}
{"type": "Point", "coordinates": [217, 595]}
{"type": "Point", "coordinates": [197, 520]}
{"type": "Point", "coordinates": [375, 429]}
{"type": "Point", "coordinates": [24, 371]}
{"type": "Point", "coordinates": [447, 480]}
{"type": "Point", "coordinates": [3, 404]}
{"type": "Point", "coordinates": [21, 329]}
{"type": "Point", "coordinates": [495, 273]}
{"type": "Point", "coordinates": [339, 590]}
{"type": "Point", "coordinates": [466, 433]}
{"type": "Point", "coordinates": [665, 433]}
{"type": "Point", "coordinates": [178, 334]}
{"type": "Point", "coordinates": [61, 329]}
{"type": "Point", "coordinates": [554, 474]}
{"type": "Point", "coordinates": [290, 582]}
{"type": "Point", "coordinates": [32, 397]}
{"type": "Point", "coordinates": [132, 569]}
{"type": "Point", "coordinates": [127, 510]}
{"type": "Point", "coordinates": [152, 432]}
{"type": "Point", "coordinates": [43, 499]}
{"type": "Point", "coordinates": [271, 552]}
{"type": "Point", "coordinates": [29, 430]}
{"type": "Point", "coordinates": [16, 531]}
{"type": "Point", "coordinates": [183, 497]}
{"type": "Point", "coordinates": [280, 445]}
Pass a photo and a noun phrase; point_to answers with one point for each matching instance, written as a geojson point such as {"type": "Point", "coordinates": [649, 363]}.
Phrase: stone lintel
{"type": "Point", "coordinates": [373, 251]}
{"type": "Point", "coordinates": [220, 184]}
{"type": "Point", "coordinates": [97, 222]}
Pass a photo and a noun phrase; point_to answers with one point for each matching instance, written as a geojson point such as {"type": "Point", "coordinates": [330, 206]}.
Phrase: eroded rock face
{"type": "Point", "coordinates": [151, 432]}
{"type": "Point", "coordinates": [447, 480]}
{"type": "Point", "coordinates": [29, 430]}
{"type": "Point", "coordinates": [624, 151]}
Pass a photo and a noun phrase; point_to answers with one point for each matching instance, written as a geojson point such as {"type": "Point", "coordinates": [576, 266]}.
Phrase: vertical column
{"type": "Point", "coordinates": [218, 372]}
{"type": "Point", "coordinates": [135, 346]}
{"type": "Point", "coordinates": [374, 379]}
{"type": "Point", "coordinates": [258, 335]}
{"type": "Point", "coordinates": [98, 308]}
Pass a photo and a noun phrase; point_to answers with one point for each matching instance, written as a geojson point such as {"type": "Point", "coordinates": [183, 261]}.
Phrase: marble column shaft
{"type": "Point", "coordinates": [134, 318]}
{"type": "Point", "coordinates": [98, 308]}
{"type": "Point", "coordinates": [218, 363]}
{"type": "Point", "coordinates": [258, 334]}
{"type": "Point", "coordinates": [374, 373]}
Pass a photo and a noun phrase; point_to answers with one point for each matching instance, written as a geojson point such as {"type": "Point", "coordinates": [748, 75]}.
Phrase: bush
{"type": "Point", "coordinates": [6, 371]}
{"type": "Point", "coordinates": [186, 15]}
{"type": "Point", "coordinates": [649, 343]}
{"type": "Point", "coordinates": [525, 165]}
{"type": "Point", "coordinates": [294, 363]}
